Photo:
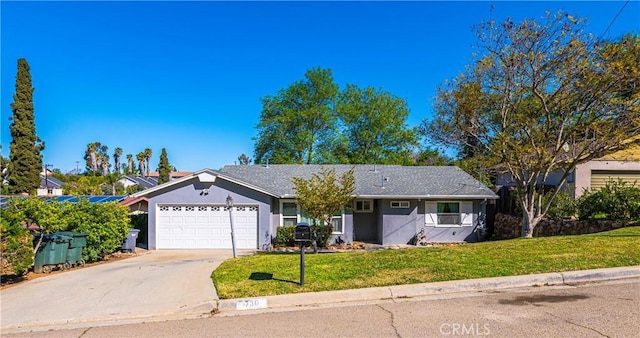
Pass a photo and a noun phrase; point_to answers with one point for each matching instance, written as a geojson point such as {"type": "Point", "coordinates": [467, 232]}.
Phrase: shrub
{"type": "Point", "coordinates": [106, 224]}
{"type": "Point", "coordinates": [15, 247]}
{"type": "Point", "coordinates": [323, 234]}
{"type": "Point", "coordinates": [563, 206]}
{"type": "Point", "coordinates": [284, 236]}
{"type": "Point", "coordinates": [617, 200]}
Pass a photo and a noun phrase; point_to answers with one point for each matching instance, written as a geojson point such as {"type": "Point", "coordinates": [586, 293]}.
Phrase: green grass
{"type": "Point", "coordinates": [278, 273]}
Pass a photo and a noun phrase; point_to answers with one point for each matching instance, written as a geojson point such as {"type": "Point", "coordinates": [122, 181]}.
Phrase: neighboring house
{"type": "Point", "coordinates": [49, 186]}
{"type": "Point", "coordinates": [624, 165]}
{"type": "Point", "coordinates": [391, 204]}
{"type": "Point", "coordinates": [151, 180]}
{"type": "Point", "coordinates": [172, 176]}
{"type": "Point", "coordinates": [144, 182]}
{"type": "Point", "coordinates": [594, 174]}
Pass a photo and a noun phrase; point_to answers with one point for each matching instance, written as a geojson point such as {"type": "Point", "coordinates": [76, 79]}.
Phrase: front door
{"type": "Point", "coordinates": [365, 221]}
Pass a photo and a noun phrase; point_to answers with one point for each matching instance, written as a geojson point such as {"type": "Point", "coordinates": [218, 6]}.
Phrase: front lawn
{"type": "Point", "coordinates": [278, 273]}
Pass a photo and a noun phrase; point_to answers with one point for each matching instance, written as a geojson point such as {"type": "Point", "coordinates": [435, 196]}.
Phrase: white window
{"type": "Point", "coordinates": [291, 214]}
{"type": "Point", "coordinates": [363, 206]}
{"type": "Point", "coordinates": [400, 204]}
{"type": "Point", "coordinates": [449, 213]}
{"type": "Point", "coordinates": [337, 222]}
{"type": "Point", "coordinates": [288, 213]}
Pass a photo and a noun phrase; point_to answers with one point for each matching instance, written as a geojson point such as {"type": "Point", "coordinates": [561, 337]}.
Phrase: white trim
{"type": "Point", "coordinates": [465, 210]}
{"type": "Point", "coordinates": [281, 223]}
{"type": "Point", "coordinates": [196, 175]}
{"type": "Point", "coordinates": [399, 204]}
{"type": "Point", "coordinates": [355, 204]}
{"type": "Point", "coordinates": [341, 221]}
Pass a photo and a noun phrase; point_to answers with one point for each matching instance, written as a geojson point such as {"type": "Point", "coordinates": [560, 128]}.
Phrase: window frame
{"type": "Point", "coordinates": [465, 210]}
{"type": "Point", "coordinates": [363, 201]}
{"type": "Point", "coordinates": [299, 216]}
{"type": "Point", "coordinates": [400, 204]}
{"type": "Point", "coordinates": [282, 216]}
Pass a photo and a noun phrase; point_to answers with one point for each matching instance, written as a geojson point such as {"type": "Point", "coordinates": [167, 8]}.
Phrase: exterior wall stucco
{"type": "Point", "coordinates": [190, 192]}
{"type": "Point", "coordinates": [452, 234]}
{"type": "Point", "coordinates": [399, 224]}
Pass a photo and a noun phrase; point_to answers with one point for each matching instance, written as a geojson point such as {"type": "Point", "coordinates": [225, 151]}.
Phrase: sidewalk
{"type": "Point", "coordinates": [227, 306]}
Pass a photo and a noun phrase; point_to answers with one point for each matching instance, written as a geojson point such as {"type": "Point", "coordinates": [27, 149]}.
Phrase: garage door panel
{"type": "Point", "coordinates": [205, 227]}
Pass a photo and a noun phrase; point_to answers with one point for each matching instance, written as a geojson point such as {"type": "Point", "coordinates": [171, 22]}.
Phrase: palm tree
{"type": "Point", "coordinates": [130, 167]}
{"type": "Point", "coordinates": [116, 158]}
{"type": "Point", "coordinates": [93, 161]}
{"type": "Point", "coordinates": [147, 157]}
{"type": "Point", "coordinates": [140, 157]}
{"type": "Point", "coordinates": [105, 165]}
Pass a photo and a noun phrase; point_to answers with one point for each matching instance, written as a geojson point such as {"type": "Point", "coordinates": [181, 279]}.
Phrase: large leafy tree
{"type": "Point", "coordinates": [164, 168]}
{"type": "Point", "coordinates": [375, 126]}
{"type": "Point", "coordinates": [25, 160]}
{"type": "Point", "coordinates": [543, 97]}
{"type": "Point", "coordinates": [324, 194]}
{"type": "Point", "coordinates": [299, 118]}
{"type": "Point", "coordinates": [244, 159]}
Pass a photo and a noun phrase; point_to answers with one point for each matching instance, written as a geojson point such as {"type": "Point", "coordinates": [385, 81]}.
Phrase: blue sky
{"type": "Point", "coordinates": [188, 76]}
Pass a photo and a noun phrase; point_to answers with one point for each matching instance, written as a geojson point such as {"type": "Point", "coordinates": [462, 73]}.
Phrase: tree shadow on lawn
{"type": "Point", "coordinates": [269, 276]}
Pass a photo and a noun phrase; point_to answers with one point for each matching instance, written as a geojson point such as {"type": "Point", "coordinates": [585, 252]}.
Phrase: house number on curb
{"type": "Point", "coordinates": [251, 304]}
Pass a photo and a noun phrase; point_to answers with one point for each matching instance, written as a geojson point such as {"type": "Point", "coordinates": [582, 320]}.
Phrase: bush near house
{"type": "Point", "coordinates": [617, 200]}
{"type": "Point", "coordinates": [284, 236]}
{"type": "Point", "coordinates": [106, 225]}
{"type": "Point", "coordinates": [16, 248]}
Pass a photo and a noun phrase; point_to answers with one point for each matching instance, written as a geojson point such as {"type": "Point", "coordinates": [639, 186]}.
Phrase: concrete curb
{"type": "Point", "coordinates": [426, 289]}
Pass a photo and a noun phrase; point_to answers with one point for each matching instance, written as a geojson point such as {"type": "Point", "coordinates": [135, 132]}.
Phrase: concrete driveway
{"type": "Point", "coordinates": [153, 285]}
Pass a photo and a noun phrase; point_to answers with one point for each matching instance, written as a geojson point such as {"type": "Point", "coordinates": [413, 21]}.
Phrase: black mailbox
{"type": "Point", "coordinates": [302, 232]}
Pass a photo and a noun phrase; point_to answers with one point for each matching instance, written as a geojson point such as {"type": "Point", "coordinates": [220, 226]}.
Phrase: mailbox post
{"type": "Point", "coordinates": [302, 234]}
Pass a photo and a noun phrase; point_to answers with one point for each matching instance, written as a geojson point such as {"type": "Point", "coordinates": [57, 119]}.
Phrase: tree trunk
{"type": "Point", "coordinates": [529, 222]}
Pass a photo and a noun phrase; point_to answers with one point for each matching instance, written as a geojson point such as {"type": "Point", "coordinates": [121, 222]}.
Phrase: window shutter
{"type": "Point", "coordinates": [431, 214]}
{"type": "Point", "coordinates": [466, 211]}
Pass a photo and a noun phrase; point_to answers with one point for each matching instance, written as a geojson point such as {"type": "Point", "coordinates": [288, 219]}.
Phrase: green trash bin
{"type": "Point", "coordinates": [77, 242]}
{"type": "Point", "coordinates": [52, 253]}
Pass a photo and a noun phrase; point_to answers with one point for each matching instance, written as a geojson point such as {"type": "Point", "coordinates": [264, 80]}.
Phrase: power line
{"type": "Point", "coordinates": [614, 19]}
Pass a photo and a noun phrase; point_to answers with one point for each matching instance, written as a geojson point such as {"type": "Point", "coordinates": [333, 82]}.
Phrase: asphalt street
{"type": "Point", "coordinates": [604, 309]}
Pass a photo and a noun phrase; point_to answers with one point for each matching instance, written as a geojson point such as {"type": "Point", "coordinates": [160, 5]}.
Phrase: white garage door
{"type": "Point", "coordinates": [205, 227]}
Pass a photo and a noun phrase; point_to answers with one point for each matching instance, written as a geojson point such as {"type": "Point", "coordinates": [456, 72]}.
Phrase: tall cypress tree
{"type": "Point", "coordinates": [24, 150]}
{"type": "Point", "coordinates": [164, 169]}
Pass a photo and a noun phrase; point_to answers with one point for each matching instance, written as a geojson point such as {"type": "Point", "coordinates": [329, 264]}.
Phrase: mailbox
{"type": "Point", "coordinates": [302, 232]}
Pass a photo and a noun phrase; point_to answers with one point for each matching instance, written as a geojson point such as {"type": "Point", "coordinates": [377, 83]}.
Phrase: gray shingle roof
{"type": "Point", "coordinates": [371, 181]}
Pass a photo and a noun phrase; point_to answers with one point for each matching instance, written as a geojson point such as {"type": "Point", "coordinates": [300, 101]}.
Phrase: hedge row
{"type": "Point", "coordinates": [105, 224]}
{"type": "Point", "coordinates": [284, 236]}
